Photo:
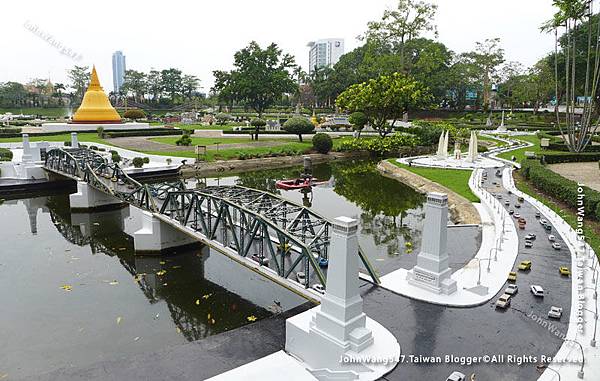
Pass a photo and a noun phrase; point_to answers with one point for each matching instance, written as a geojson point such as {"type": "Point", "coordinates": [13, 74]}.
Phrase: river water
{"type": "Point", "coordinates": [72, 292]}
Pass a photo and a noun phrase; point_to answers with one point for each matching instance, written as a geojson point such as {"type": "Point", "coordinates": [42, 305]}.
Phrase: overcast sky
{"type": "Point", "coordinates": [201, 36]}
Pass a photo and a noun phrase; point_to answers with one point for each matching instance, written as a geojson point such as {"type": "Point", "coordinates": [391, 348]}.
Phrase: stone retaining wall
{"type": "Point", "coordinates": [461, 210]}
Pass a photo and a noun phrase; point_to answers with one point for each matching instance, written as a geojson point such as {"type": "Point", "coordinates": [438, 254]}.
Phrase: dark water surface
{"type": "Point", "coordinates": [72, 292]}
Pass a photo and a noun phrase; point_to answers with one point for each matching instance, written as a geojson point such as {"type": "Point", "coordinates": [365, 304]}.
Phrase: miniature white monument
{"type": "Point", "coordinates": [432, 271]}
{"type": "Point", "coordinates": [472, 154]}
{"type": "Point", "coordinates": [502, 127]}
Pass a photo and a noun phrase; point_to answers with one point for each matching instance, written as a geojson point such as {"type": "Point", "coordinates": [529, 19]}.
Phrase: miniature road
{"type": "Point", "coordinates": [422, 329]}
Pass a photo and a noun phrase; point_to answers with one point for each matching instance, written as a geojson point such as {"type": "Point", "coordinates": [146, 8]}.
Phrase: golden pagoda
{"type": "Point", "coordinates": [95, 107]}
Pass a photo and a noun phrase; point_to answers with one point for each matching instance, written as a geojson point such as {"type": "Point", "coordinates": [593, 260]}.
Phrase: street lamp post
{"type": "Point", "coordinates": [580, 372]}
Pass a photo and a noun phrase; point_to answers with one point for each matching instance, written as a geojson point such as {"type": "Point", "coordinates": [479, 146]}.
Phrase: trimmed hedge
{"type": "Point", "coordinates": [147, 132]}
{"type": "Point", "coordinates": [5, 154]}
{"type": "Point", "coordinates": [10, 130]}
{"type": "Point", "coordinates": [261, 132]}
{"type": "Point", "coordinates": [569, 157]}
{"type": "Point", "coordinates": [561, 188]}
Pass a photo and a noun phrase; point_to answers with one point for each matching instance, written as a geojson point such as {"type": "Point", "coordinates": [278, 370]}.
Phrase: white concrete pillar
{"type": "Point", "coordinates": [338, 326]}
{"type": "Point", "coordinates": [90, 198]}
{"type": "Point", "coordinates": [156, 235]}
{"type": "Point", "coordinates": [27, 157]}
{"type": "Point", "coordinates": [432, 271]}
{"type": "Point", "coordinates": [74, 140]}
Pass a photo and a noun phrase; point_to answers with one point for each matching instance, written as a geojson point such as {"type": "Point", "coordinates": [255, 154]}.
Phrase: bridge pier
{"type": "Point", "coordinates": [323, 337]}
{"type": "Point", "coordinates": [88, 198]}
{"type": "Point", "coordinates": [156, 236]}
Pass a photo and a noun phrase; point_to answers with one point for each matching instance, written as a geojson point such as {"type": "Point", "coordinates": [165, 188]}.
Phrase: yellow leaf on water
{"type": "Point", "coordinates": [208, 317]}
{"type": "Point", "coordinates": [164, 284]}
{"type": "Point", "coordinates": [212, 321]}
{"type": "Point", "coordinates": [206, 296]}
{"type": "Point", "coordinates": [178, 330]}
{"type": "Point", "coordinates": [114, 283]}
{"type": "Point", "coordinates": [136, 338]}
{"type": "Point", "coordinates": [161, 272]}
{"type": "Point", "coordinates": [251, 318]}
{"type": "Point", "coordinates": [197, 301]}
{"type": "Point", "coordinates": [162, 262]}
{"type": "Point", "coordinates": [176, 267]}
{"type": "Point", "coordinates": [122, 248]}
{"type": "Point", "coordinates": [66, 287]}
{"type": "Point", "coordinates": [119, 320]}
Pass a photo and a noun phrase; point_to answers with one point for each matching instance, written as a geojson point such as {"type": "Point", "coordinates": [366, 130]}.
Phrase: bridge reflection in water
{"type": "Point", "coordinates": [229, 293]}
{"type": "Point", "coordinates": [287, 238]}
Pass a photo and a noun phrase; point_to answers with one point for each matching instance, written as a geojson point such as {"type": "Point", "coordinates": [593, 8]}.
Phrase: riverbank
{"type": "Point", "coordinates": [461, 210]}
{"type": "Point", "coordinates": [237, 166]}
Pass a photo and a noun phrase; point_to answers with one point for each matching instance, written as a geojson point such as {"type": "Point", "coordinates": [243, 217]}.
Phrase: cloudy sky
{"type": "Point", "coordinates": [201, 36]}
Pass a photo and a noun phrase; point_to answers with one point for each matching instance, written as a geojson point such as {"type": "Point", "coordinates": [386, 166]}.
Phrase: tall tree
{"type": "Point", "coordinates": [136, 84]}
{"type": "Point", "coordinates": [397, 26]}
{"type": "Point", "coordinates": [80, 79]}
{"type": "Point", "coordinates": [155, 86]}
{"type": "Point", "coordinates": [189, 84]}
{"type": "Point", "coordinates": [577, 70]}
{"type": "Point", "coordinates": [385, 100]}
{"type": "Point", "coordinates": [261, 76]}
{"type": "Point", "coordinates": [487, 57]}
{"type": "Point", "coordinates": [171, 81]}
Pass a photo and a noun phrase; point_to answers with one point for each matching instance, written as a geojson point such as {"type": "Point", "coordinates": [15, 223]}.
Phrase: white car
{"type": "Point", "coordinates": [503, 301]}
{"type": "Point", "coordinates": [543, 221]}
{"type": "Point", "coordinates": [537, 290]}
{"type": "Point", "coordinates": [456, 376]}
{"type": "Point", "coordinates": [517, 215]}
{"type": "Point", "coordinates": [551, 238]}
{"type": "Point", "coordinates": [511, 289]}
{"type": "Point", "coordinates": [318, 288]}
{"type": "Point", "coordinates": [530, 237]}
{"type": "Point", "coordinates": [556, 246]}
{"type": "Point", "coordinates": [555, 312]}
{"type": "Point", "coordinates": [507, 202]}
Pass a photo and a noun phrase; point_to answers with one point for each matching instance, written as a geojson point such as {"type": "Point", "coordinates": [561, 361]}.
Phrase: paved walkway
{"type": "Point", "coordinates": [586, 173]}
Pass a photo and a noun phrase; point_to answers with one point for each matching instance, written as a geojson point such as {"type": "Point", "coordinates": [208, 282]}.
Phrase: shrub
{"type": "Point", "coordinates": [298, 125]}
{"type": "Point", "coordinates": [559, 187]}
{"type": "Point", "coordinates": [184, 140]}
{"type": "Point", "coordinates": [100, 132]}
{"type": "Point", "coordinates": [67, 143]}
{"type": "Point", "coordinates": [146, 160]}
{"type": "Point", "coordinates": [115, 157]}
{"type": "Point", "coordinates": [258, 122]}
{"type": "Point", "coordinates": [223, 118]}
{"type": "Point", "coordinates": [379, 146]}
{"type": "Point", "coordinates": [137, 162]}
{"type": "Point", "coordinates": [5, 154]}
{"type": "Point", "coordinates": [94, 148]}
{"type": "Point", "coordinates": [569, 157]}
{"type": "Point", "coordinates": [134, 114]}
{"type": "Point", "coordinates": [322, 143]}
{"type": "Point", "coordinates": [358, 120]}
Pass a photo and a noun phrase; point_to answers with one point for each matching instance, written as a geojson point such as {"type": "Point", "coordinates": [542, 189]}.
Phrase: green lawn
{"type": "Point", "coordinates": [90, 137]}
{"type": "Point", "coordinates": [454, 179]}
{"type": "Point", "coordinates": [53, 112]}
{"type": "Point", "coordinates": [520, 153]}
{"type": "Point", "coordinates": [208, 141]}
{"type": "Point", "coordinates": [498, 143]}
{"type": "Point", "coordinates": [293, 148]}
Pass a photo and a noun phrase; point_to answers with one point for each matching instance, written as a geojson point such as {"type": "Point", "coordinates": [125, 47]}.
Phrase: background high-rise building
{"type": "Point", "coordinates": [118, 68]}
{"type": "Point", "coordinates": [325, 52]}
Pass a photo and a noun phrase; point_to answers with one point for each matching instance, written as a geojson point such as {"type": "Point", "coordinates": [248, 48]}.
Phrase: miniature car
{"type": "Point", "coordinates": [503, 301]}
{"type": "Point", "coordinates": [528, 244]}
{"type": "Point", "coordinates": [512, 276]}
{"type": "Point", "coordinates": [511, 289]}
{"type": "Point", "coordinates": [555, 312]}
{"type": "Point", "coordinates": [537, 290]}
{"type": "Point", "coordinates": [517, 215]}
{"type": "Point", "coordinates": [551, 238]}
{"type": "Point", "coordinates": [300, 277]}
{"type": "Point", "coordinates": [507, 202]}
{"type": "Point", "coordinates": [318, 288]}
{"type": "Point", "coordinates": [260, 260]}
{"type": "Point", "coordinates": [511, 212]}
{"type": "Point", "coordinates": [522, 220]}
{"type": "Point", "coordinates": [563, 270]}
{"type": "Point", "coordinates": [456, 376]}
{"type": "Point", "coordinates": [498, 196]}
{"type": "Point", "coordinates": [525, 265]}
{"type": "Point", "coordinates": [521, 199]}
{"type": "Point", "coordinates": [517, 205]}
{"type": "Point", "coordinates": [548, 227]}
{"type": "Point", "coordinates": [556, 246]}
{"type": "Point", "coordinates": [530, 237]}
{"type": "Point", "coordinates": [543, 221]}
{"type": "Point", "coordinates": [538, 214]}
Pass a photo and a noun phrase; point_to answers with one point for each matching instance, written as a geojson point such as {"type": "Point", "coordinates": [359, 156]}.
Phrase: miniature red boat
{"type": "Point", "coordinates": [298, 183]}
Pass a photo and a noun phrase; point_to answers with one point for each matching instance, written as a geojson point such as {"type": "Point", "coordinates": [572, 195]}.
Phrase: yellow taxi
{"type": "Point", "coordinates": [563, 270]}
{"type": "Point", "coordinates": [525, 265]}
{"type": "Point", "coordinates": [512, 276]}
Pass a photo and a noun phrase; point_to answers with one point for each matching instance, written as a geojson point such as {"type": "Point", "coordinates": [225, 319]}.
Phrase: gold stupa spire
{"type": "Point", "coordinates": [95, 106]}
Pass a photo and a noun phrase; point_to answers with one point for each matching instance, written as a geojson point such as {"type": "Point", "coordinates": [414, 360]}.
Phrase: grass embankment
{"type": "Point", "coordinates": [210, 141]}
{"type": "Point", "coordinates": [520, 153]}
{"type": "Point", "coordinates": [90, 137]}
{"type": "Point", "coordinates": [50, 111]}
{"type": "Point", "coordinates": [292, 149]}
{"type": "Point", "coordinates": [591, 229]}
{"type": "Point", "coordinates": [456, 180]}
